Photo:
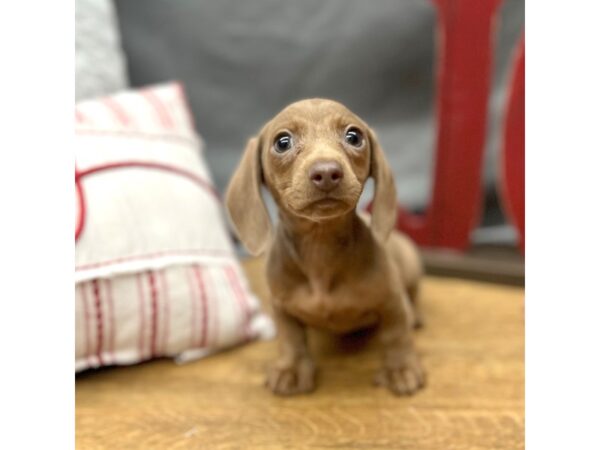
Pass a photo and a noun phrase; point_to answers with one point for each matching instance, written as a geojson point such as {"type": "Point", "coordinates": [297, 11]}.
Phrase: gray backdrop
{"type": "Point", "coordinates": [242, 61]}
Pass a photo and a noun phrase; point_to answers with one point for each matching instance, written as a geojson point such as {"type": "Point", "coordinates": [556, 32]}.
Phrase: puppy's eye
{"type": "Point", "coordinates": [354, 137]}
{"type": "Point", "coordinates": [283, 142]}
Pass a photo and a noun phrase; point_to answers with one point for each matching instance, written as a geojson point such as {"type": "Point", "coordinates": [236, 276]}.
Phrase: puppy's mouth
{"type": "Point", "coordinates": [327, 203]}
{"type": "Point", "coordinates": [316, 205]}
{"type": "Point", "coordinates": [325, 207]}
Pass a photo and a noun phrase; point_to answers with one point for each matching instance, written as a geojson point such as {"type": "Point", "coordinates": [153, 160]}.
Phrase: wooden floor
{"type": "Point", "coordinates": [472, 348]}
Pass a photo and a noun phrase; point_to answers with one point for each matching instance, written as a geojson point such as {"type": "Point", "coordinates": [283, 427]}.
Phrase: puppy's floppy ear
{"type": "Point", "coordinates": [383, 213]}
{"type": "Point", "coordinates": [244, 201]}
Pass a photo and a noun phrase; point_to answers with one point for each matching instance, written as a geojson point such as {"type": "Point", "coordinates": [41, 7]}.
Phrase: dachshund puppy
{"type": "Point", "coordinates": [327, 266]}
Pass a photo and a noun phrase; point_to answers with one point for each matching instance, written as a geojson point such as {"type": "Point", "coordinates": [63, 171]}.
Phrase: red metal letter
{"type": "Point", "coordinates": [464, 66]}
{"type": "Point", "coordinates": [512, 162]}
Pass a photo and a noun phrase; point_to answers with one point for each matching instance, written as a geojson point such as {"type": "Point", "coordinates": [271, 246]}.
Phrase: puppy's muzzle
{"type": "Point", "coordinates": [326, 175]}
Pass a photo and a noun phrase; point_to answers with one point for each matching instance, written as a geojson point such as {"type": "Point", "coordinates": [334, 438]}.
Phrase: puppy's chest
{"type": "Point", "coordinates": [341, 305]}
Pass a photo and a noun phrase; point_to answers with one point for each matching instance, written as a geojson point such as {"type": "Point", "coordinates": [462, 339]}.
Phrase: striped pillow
{"type": "Point", "coordinates": [155, 271]}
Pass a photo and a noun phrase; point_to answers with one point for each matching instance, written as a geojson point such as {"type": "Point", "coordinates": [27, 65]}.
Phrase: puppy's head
{"type": "Point", "coordinates": [314, 157]}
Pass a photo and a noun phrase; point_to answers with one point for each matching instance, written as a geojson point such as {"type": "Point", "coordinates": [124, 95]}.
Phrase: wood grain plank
{"type": "Point", "coordinates": [472, 347]}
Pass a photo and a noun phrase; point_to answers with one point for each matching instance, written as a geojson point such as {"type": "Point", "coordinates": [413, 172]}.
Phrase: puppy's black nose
{"type": "Point", "coordinates": [326, 175]}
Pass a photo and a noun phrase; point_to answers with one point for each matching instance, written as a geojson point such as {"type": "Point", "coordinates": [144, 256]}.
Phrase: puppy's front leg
{"type": "Point", "coordinates": [294, 371]}
{"type": "Point", "coordinates": [402, 372]}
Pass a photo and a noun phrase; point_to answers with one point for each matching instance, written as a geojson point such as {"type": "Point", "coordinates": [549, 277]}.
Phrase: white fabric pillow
{"type": "Point", "coordinates": [155, 271]}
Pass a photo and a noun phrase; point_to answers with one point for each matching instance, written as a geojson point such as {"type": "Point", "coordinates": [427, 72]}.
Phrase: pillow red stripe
{"type": "Point", "coordinates": [82, 211]}
{"type": "Point", "coordinates": [99, 321]}
{"type": "Point", "coordinates": [241, 298]}
{"type": "Point", "coordinates": [193, 302]}
{"type": "Point", "coordinates": [214, 316]}
{"type": "Point", "coordinates": [80, 117]}
{"type": "Point", "coordinates": [203, 305]}
{"type": "Point", "coordinates": [117, 111]}
{"type": "Point", "coordinates": [111, 319]}
{"type": "Point", "coordinates": [166, 311]}
{"type": "Point", "coordinates": [142, 319]}
{"type": "Point", "coordinates": [161, 111]}
{"type": "Point", "coordinates": [154, 316]}
{"type": "Point", "coordinates": [86, 318]}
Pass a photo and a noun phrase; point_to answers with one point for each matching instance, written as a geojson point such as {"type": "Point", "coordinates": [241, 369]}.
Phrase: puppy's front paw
{"type": "Point", "coordinates": [404, 379]}
{"type": "Point", "coordinates": [291, 379]}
